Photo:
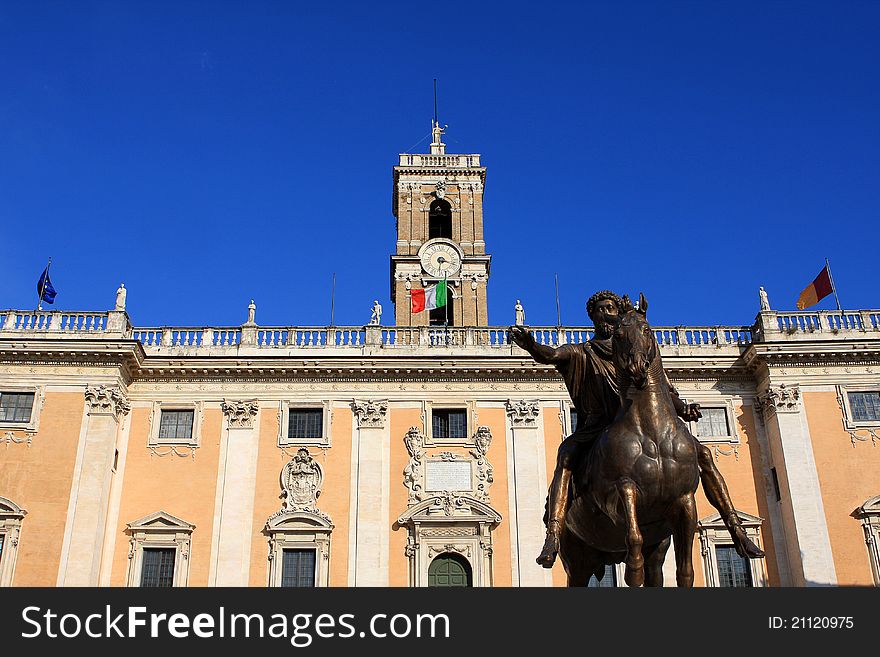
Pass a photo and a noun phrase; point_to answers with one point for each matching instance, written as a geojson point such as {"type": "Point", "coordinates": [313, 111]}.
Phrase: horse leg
{"type": "Point", "coordinates": [683, 518]}
{"type": "Point", "coordinates": [635, 562]}
{"type": "Point", "coordinates": [655, 555]}
{"type": "Point", "coordinates": [579, 559]}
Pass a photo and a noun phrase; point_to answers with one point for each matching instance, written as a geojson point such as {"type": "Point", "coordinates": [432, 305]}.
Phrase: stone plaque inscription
{"type": "Point", "coordinates": [448, 475]}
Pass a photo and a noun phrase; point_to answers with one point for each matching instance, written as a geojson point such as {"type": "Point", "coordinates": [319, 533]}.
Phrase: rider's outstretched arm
{"type": "Point", "coordinates": [542, 353]}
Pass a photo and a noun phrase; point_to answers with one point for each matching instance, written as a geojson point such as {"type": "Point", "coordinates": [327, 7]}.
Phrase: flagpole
{"type": "Point", "coordinates": [558, 314]}
{"type": "Point", "coordinates": [43, 287]}
{"type": "Point", "coordinates": [332, 298]}
{"type": "Point", "coordinates": [833, 288]}
{"type": "Point", "coordinates": [446, 308]}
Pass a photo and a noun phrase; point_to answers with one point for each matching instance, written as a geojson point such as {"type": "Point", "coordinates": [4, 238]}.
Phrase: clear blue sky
{"type": "Point", "coordinates": [210, 153]}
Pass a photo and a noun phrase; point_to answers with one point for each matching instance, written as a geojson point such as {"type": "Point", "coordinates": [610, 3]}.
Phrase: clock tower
{"type": "Point", "coordinates": [438, 205]}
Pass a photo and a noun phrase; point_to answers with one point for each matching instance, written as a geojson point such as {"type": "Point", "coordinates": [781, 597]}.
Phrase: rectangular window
{"type": "Point", "coordinates": [2, 536]}
{"type": "Point", "coordinates": [298, 568]}
{"type": "Point", "coordinates": [865, 406]}
{"type": "Point", "coordinates": [16, 406]}
{"type": "Point", "coordinates": [158, 568]}
{"type": "Point", "coordinates": [733, 570]}
{"type": "Point", "coordinates": [449, 423]}
{"type": "Point", "coordinates": [608, 581]}
{"type": "Point", "coordinates": [573, 415]}
{"type": "Point", "coordinates": [713, 423]}
{"type": "Point", "coordinates": [305, 423]}
{"type": "Point", "coordinates": [176, 425]}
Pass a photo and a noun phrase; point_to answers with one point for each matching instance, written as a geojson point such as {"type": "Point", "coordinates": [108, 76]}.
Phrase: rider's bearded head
{"type": "Point", "coordinates": [604, 317]}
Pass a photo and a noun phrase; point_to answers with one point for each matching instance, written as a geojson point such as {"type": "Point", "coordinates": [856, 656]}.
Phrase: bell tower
{"type": "Point", "coordinates": [438, 205]}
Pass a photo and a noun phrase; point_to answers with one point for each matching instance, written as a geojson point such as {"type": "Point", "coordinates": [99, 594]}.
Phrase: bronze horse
{"type": "Point", "coordinates": [635, 488]}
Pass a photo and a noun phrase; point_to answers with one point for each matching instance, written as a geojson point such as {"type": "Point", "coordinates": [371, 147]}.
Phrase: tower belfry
{"type": "Point", "coordinates": [438, 204]}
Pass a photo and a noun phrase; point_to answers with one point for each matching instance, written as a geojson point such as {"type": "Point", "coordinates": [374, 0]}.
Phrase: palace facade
{"type": "Point", "coordinates": [416, 454]}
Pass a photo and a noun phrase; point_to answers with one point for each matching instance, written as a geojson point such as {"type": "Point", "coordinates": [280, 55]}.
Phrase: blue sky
{"type": "Point", "coordinates": [210, 153]}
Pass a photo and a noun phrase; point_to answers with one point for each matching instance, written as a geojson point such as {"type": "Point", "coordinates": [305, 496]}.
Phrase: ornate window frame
{"type": "Point", "coordinates": [713, 534]}
{"type": "Point", "coordinates": [869, 515]}
{"type": "Point", "coordinates": [843, 398]}
{"type": "Point", "coordinates": [732, 436]}
{"type": "Point", "coordinates": [284, 408]}
{"type": "Point", "coordinates": [451, 523]}
{"type": "Point", "coordinates": [11, 517]}
{"type": "Point", "coordinates": [300, 525]}
{"type": "Point", "coordinates": [33, 425]}
{"type": "Point", "coordinates": [194, 441]}
{"type": "Point", "coordinates": [159, 530]}
{"type": "Point", "coordinates": [470, 408]}
{"type": "Point", "coordinates": [299, 530]}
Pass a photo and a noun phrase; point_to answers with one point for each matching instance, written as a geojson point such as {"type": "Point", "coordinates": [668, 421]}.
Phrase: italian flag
{"type": "Point", "coordinates": [433, 296]}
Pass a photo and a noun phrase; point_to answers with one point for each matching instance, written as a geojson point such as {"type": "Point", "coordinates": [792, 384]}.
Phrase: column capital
{"type": "Point", "coordinates": [784, 398]}
{"type": "Point", "coordinates": [240, 414]}
{"type": "Point", "coordinates": [370, 413]}
{"type": "Point", "coordinates": [107, 400]}
{"type": "Point", "coordinates": [522, 412]}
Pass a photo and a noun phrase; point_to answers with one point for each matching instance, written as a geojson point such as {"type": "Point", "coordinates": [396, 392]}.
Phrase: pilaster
{"type": "Point", "coordinates": [371, 500]}
{"type": "Point", "coordinates": [808, 544]}
{"type": "Point", "coordinates": [527, 481]}
{"type": "Point", "coordinates": [106, 406]}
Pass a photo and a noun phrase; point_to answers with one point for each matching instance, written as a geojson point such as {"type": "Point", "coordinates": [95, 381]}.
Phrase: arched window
{"type": "Point", "coordinates": [440, 220]}
{"type": "Point", "coordinates": [11, 516]}
{"type": "Point", "coordinates": [450, 569]}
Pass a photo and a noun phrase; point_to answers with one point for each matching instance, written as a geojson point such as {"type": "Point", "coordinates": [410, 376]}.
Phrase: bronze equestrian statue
{"type": "Point", "coordinates": [591, 376]}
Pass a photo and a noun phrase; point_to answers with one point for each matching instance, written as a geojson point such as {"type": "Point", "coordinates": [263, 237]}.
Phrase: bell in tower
{"type": "Point", "coordinates": [438, 205]}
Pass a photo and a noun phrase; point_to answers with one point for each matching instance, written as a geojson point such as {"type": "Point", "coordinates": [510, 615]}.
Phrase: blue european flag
{"type": "Point", "coordinates": [44, 287]}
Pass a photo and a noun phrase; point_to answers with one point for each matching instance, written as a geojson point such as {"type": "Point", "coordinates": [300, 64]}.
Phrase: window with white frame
{"type": "Point", "coordinates": [299, 549]}
{"type": "Point", "coordinates": [449, 423]}
{"type": "Point", "coordinates": [176, 423]}
{"type": "Point", "coordinates": [722, 566]}
{"type": "Point", "coordinates": [863, 406]}
{"type": "Point", "coordinates": [304, 423]}
{"type": "Point", "coordinates": [159, 551]}
{"type": "Point", "coordinates": [11, 517]}
{"type": "Point", "coordinates": [19, 408]}
{"type": "Point", "coordinates": [716, 423]}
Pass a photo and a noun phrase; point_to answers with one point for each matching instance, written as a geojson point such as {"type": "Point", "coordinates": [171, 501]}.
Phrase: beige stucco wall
{"type": "Point", "coordinates": [848, 475]}
{"type": "Point", "coordinates": [38, 478]}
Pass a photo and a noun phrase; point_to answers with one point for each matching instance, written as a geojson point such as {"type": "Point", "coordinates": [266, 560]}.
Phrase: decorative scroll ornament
{"type": "Point", "coordinates": [107, 400]}
{"type": "Point", "coordinates": [301, 481]}
{"type": "Point", "coordinates": [449, 547]}
{"type": "Point", "coordinates": [449, 504]}
{"type": "Point", "coordinates": [440, 189]}
{"type": "Point", "coordinates": [522, 413]}
{"type": "Point", "coordinates": [780, 399]}
{"type": "Point", "coordinates": [370, 414]}
{"type": "Point", "coordinates": [240, 414]}
{"type": "Point", "coordinates": [482, 440]}
{"type": "Point", "coordinates": [413, 472]}
{"type": "Point", "coordinates": [9, 437]}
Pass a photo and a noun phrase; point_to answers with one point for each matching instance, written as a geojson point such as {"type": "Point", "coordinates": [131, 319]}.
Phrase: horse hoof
{"type": "Point", "coordinates": [634, 577]}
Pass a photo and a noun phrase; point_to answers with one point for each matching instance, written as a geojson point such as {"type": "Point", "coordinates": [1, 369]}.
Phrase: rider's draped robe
{"type": "Point", "coordinates": [591, 380]}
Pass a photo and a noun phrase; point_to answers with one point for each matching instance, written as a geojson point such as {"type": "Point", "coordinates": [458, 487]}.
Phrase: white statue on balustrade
{"type": "Point", "coordinates": [120, 297]}
{"type": "Point", "coordinates": [519, 314]}
{"type": "Point", "coordinates": [252, 311]}
{"type": "Point", "coordinates": [376, 316]}
{"type": "Point", "coordinates": [762, 295]}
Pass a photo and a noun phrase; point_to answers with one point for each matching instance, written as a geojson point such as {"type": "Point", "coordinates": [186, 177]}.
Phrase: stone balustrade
{"type": "Point", "coordinates": [769, 326]}
{"type": "Point", "coordinates": [456, 161]}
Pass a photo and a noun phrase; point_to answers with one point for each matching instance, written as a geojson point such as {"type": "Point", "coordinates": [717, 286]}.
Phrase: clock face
{"type": "Point", "coordinates": [440, 259]}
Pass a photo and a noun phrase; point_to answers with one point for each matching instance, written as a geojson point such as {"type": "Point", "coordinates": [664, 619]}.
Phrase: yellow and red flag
{"type": "Point", "coordinates": [817, 290]}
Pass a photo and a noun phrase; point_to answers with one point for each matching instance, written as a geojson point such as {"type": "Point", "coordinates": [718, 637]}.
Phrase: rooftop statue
{"type": "Point", "coordinates": [624, 482]}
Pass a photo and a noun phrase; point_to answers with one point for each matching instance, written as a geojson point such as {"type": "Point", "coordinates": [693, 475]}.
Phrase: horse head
{"type": "Point", "coordinates": [635, 346]}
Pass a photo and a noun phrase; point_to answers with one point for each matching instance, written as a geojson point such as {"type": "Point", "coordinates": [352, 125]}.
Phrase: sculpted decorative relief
{"type": "Point", "coordinates": [369, 413]}
{"type": "Point", "coordinates": [522, 413]}
{"type": "Point", "coordinates": [240, 414]}
{"type": "Point", "coordinates": [107, 400]}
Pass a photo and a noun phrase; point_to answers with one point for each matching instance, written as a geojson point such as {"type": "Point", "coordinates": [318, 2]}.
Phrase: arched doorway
{"type": "Point", "coordinates": [450, 569]}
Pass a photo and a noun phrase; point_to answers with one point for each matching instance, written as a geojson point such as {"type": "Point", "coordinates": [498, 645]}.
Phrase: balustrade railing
{"type": "Point", "coordinates": [423, 160]}
{"type": "Point", "coordinates": [771, 325]}
{"type": "Point", "coordinates": [53, 321]}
